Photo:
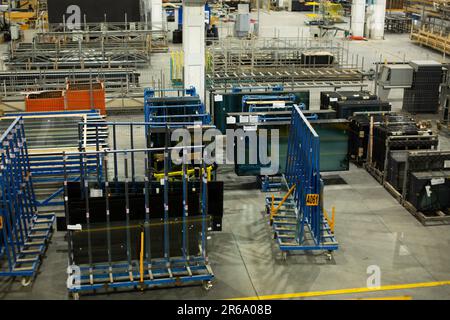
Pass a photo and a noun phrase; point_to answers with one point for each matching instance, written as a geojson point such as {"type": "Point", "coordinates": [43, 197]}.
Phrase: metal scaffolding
{"type": "Point", "coordinates": [298, 62]}
{"type": "Point", "coordinates": [281, 54]}
{"type": "Point", "coordinates": [97, 46]}
{"type": "Point", "coordinates": [14, 83]}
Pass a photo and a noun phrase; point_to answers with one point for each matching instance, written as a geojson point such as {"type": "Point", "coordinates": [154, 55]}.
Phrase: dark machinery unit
{"type": "Point", "coordinates": [403, 135]}
{"type": "Point", "coordinates": [359, 135]}
{"type": "Point", "coordinates": [423, 96]}
{"type": "Point", "coordinates": [395, 174]}
{"type": "Point", "coordinates": [346, 109]}
{"type": "Point", "coordinates": [319, 59]}
{"type": "Point", "coordinates": [396, 168]}
{"type": "Point", "coordinates": [329, 99]}
{"type": "Point", "coordinates": [97, 11]}
{"type": "Point", "coordinates": [429, 191]}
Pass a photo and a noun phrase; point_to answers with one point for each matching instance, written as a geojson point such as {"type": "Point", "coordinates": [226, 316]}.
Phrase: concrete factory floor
{"type": "Point", "coordinates": [371, 227]}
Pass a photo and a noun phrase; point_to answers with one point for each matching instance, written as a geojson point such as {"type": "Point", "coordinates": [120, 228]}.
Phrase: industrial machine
{"type": "Point", "coordinates": [346, 103]}
{"type": "Point", "coordinates": [421, 81]}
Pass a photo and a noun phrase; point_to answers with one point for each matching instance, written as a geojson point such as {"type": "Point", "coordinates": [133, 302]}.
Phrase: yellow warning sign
{"type": "Point", "coordinates": [312, 200]}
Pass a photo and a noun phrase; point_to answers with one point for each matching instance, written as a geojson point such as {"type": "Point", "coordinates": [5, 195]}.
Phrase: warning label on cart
{"type": "Point", "coordinates": [1, 223]}
{"type": "Point", "coordinates": [312, 200]}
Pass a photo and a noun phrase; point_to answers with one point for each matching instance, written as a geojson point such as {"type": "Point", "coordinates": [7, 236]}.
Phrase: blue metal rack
{"type": "Point", "coordinates": [270, 183]}
{"type": "Point", "coordinates": [185, 108]}
{"type": "Point", "coordinates": [24, 232]}
{"type": "Point", "coordinates": [261, 103]}
{"type": "Point", "coordinates": [298, 219]}
{"type": "Point", "coordinates": [258, 88]}
{"type": "Point", "coordinates": [149, 270]}
{"type": "Point", "coordinates": [150, 93]}
{"type": "Point", "coordinates": [47, 166]}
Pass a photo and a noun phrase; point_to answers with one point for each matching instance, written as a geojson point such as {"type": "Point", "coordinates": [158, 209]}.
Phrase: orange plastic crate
{"type": "Point", "coordinates": [78, 97]}
{"type": "Point", "coordinates": [44, 101]}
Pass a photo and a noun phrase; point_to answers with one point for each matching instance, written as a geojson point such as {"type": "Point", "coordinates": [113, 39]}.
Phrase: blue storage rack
{"type": "Point", "coordinates": [146, 272]}
{"type": "Point", "coordinates": [270, 183]}
{"type": "Point", "coordinates": [24, 232]}
{"type": "Point", "coordinates": [185, 108]}
{"type": "Point", "coordinates": [253, 103]}
{"type": "Point", "coordinates": [301, 224]}
{"type": "Point", "coordinates": [47, 168]}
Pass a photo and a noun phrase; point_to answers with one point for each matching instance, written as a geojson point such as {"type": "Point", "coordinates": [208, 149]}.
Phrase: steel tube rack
{"type": "Point", "coordinates": [87, 49]}
{"type": "Point", "coordinates": [301, 224]}
{"type": "Point", "coordinates": [148, 270]}
{"type": "Point", "coordinates": [14, 83]}
{"type": "Point", "coordinates": [24, 232]}
{"type": "Point", "coordinates": [48, 133]}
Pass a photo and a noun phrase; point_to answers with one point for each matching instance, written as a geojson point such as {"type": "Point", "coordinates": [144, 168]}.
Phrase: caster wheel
{"type": "Point", "coordinates": [26, 281]}
{"type": "Point", "coordinates": [284, 255]}
{"type": "Point", "coordinates": [76, 296]}
{"type": "Point", "coordinates": [207, 285]}
{"type": "Point", "coordinates": [329, 256]}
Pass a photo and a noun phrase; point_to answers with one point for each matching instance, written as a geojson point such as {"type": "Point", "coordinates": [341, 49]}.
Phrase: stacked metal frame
{"type": "Point", "coordinates": [144, 245]}
{"type": "Point", "coordinates": [397, 23]}
{"type": "Point", "coordinates": [223, 103]}
{"type": "Point", "coordinates": [329, 99]}
{"type": "Point", "coordinates": [176, 110]}
{"type": "Point", "coordinates": [168, 110]}
{"type": "Point", "coordinates": [360, 124]}
{"type": "Point", "coordinates": [24, 233]}
{"type": "Point", "coordinates": [89, 48]}
{"type": "Point", "coordinates": [302, 224]}
{"type": "Point", "coordinates": [51, 133]}
{"type": "Point", "coordinates": [15, 82]}
{"type": "Point", "coordinates": [261, 103]}
{"type": "Point", "coordinates": [397, 132]}
{"type": "Point", "coordinates": [281, 61]}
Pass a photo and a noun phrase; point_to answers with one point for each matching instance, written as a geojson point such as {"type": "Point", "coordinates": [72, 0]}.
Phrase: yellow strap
{"type": "Point", "coordinates": [141, 260]}
{"type": "Point", "coordinates": [180, 173]}
{"type": "Point", "coordinates": [274, 211]}
{"type": "Point", "coordinates": [330, 222]}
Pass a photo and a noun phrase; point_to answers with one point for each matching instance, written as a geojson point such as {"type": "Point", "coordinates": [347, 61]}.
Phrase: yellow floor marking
{"type": "Point", "coordinates": [386, 298]}
{"type": "Point", "coordinates": [347, 291]}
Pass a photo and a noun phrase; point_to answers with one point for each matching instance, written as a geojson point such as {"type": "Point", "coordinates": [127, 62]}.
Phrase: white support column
{"type": "Point", "coordinates": [358, 17]}
{"type": "Point", "coordinates": [194, 45]}
{"type": "Point", "coordinates": [155, 7]}
{"type": "Point", "coordinates": [377, 26]}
